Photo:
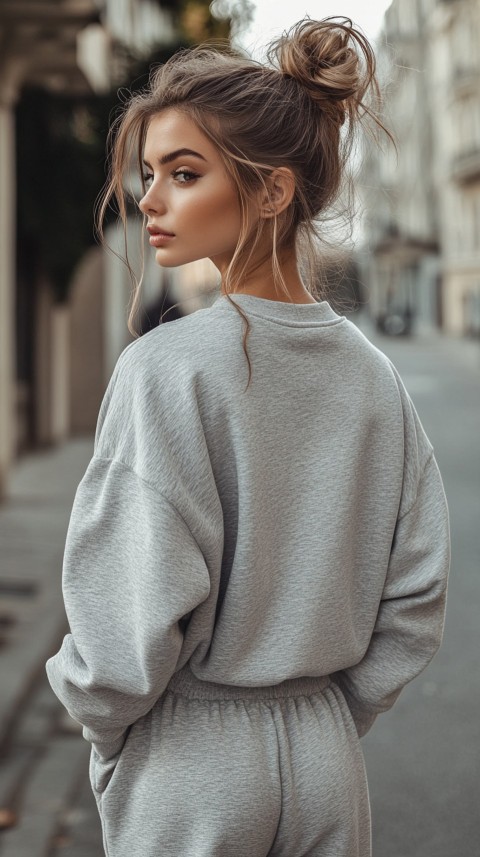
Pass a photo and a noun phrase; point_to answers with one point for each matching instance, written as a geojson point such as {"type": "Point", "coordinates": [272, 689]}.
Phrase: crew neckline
{"type": "Point", "coordinates": [282, 312]}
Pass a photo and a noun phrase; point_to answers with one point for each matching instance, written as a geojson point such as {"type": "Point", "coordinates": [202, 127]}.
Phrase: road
{"type": "Point", "coordinates": [423, 757]}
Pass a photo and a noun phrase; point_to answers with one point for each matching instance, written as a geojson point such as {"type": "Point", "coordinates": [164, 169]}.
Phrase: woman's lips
{"type": "Point", "coordinates": [158, 237]}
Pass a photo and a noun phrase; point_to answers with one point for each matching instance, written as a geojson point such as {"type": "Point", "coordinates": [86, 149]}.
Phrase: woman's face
{"type": "Point", "coordinates": [189, 194]}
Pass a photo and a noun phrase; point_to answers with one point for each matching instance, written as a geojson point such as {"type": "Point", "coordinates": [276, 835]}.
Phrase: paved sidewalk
{"type": "Point", "coordinates": [43, 756]}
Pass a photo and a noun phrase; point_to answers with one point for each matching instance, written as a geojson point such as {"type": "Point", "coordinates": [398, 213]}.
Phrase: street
{"type": "Point", "coordinates": [422, 757]}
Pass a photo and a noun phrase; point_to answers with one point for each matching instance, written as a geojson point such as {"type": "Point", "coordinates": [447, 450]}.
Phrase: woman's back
{"type": "Point", "coordinates": [291, 491]}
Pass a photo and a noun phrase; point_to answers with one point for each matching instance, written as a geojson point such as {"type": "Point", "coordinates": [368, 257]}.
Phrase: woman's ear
{"type": "Point", "coordinates": [280, 186]}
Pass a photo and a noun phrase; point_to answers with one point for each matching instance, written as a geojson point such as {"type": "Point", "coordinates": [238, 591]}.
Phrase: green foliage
{"type": "Point", "coordinates": [61, 155]}
{"type": "Point", "coordinates": [198, 20]}
{"type": "Point", "coordinates": [60, 158]}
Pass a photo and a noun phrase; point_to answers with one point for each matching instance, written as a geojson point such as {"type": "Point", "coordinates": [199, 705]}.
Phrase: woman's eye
{"type": "Point", "coordinates": [184, 176]}
{"type": "Point", "coordinates": [147, 177]}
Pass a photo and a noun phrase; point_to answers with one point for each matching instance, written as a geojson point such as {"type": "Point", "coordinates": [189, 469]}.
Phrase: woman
{"type": "Point", "coordinates": [251, 573]}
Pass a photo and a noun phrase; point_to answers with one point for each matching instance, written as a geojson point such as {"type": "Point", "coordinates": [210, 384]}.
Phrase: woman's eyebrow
{"type": "Point", "coordinates": [178, 153]}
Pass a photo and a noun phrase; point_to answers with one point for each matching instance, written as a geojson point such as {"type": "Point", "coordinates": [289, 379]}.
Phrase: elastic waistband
{"type": "Point", "coordinates": [186, 683]}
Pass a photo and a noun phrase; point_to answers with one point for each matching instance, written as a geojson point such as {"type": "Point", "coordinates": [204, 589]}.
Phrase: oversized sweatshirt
{"type": "Point", "coordinates": [295, 528]}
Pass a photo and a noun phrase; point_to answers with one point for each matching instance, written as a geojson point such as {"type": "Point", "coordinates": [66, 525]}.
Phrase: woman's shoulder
{"type": "Point", "coordinates": [368, 362]}
{"type": "Point", "coordinates": [169, 337]}
{"type": "Point", "coordinates": [388, 391]}
{"type": "Point", "coordinates": [151, 395]}
{"type": "Point", "coordinates": [166, 357]}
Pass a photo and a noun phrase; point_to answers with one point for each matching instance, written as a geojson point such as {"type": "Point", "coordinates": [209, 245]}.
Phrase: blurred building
{"type": "Point", "coordinates": [402, 263]}
{"type": "Point", "coordinates": [72, 47]}
{"type": "Point", "coordinates": [422, 252]}
{"type": "Point", "coordinates": [454, 72]}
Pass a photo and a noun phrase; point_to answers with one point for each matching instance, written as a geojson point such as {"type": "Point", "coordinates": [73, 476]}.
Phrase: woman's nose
{"type": "Point", "coordinates": [150, 203]}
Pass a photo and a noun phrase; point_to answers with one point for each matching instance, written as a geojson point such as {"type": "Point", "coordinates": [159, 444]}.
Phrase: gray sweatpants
{"type": "Point", "coordinates": [222, 771]}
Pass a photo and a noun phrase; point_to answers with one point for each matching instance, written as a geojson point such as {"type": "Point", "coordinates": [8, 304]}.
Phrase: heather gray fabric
{"type": "Point", "coordinates": [213, 771]}
{"type": "Point", "coordinates": [299, 528]}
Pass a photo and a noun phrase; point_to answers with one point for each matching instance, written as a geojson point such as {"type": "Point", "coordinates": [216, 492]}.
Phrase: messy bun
{"type": "Point", "coordinates": [290, 113]}
{"type": "Point", "coordinates": [331, 59]}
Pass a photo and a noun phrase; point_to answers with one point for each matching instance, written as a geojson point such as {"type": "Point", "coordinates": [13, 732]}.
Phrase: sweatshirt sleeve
{"type": "Point", "coordinates": [131, 571]}
{"type": "Point", "coordinates": [410, 619]}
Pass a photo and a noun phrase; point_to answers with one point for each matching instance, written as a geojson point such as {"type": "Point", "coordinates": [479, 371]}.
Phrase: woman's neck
{"type": "Point", "coordinates": [260, 282]}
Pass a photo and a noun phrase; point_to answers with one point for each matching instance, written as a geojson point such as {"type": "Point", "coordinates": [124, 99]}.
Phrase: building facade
{"type": "Point", "coordinates": [455, 101]}
{"type": "Point", "coordinates": [400, 259]}
{"type": "Point", "coordinates": [421, 257]}
{"type": "Point", "coordinates": [71, 47]}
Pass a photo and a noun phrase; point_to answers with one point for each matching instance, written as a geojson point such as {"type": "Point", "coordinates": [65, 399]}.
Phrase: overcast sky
{"type": "Point", "coordinates": [271, 17]}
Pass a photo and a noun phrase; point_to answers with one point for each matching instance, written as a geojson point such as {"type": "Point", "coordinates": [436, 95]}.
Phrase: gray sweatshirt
{"type": "Point", "coordinates": [299, 528]}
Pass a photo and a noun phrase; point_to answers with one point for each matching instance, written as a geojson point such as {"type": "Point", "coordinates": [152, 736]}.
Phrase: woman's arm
{"type": "Point", "coordinates": [410, 618]}
{"type": "Point", "coordinates": [131, 571]}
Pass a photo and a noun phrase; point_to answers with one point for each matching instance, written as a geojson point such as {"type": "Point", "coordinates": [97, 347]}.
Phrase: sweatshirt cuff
{"type": "Point", "coordinates": [363, 719]}
{"type": "Point", "coordinates": [362, 716]}
{"type": "Point", "coordinates": [106, 747]}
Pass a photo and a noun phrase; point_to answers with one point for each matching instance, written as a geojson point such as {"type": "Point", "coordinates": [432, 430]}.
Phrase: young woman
{"type": "Point", "coordinates": [252, 573]}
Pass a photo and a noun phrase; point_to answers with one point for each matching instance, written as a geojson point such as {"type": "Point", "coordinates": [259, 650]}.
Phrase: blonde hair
{"type": "Point", "coordinates": [300, 112]}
